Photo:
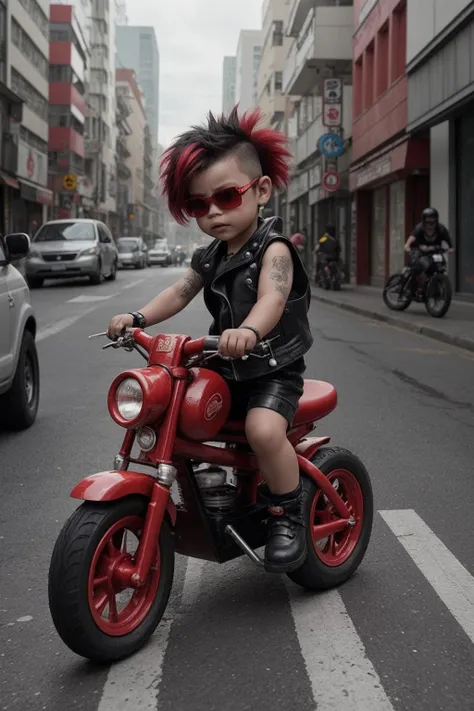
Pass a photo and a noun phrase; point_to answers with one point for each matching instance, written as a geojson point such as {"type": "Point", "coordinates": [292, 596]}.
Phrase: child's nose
{"type": "Point", "coordinates": [214, 210]}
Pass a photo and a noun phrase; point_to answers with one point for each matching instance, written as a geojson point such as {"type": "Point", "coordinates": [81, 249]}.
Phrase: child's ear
{"type": "Point", "coordinates": [264, 190]}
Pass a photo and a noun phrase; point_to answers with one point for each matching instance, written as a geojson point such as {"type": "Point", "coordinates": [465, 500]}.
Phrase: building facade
{"type": "Point", "coordinates": [128, 89]}
{"type": "Point", "coordinates": [275, 47]}
{"type": "Point", "coordinates": [320, 50]}
{"type": "Point", "coordinates": [137, 49]}
{"type": "Point", "coordinates": [26, 74]}
{"type": "Point", "coordinates": [440, 68]}
{"type": "Point", "coordinates": [249, 50]}
{"type": "Point", "coordinates": [389, 175]}
{"type": "Point", "coordinates": [228, 84]}
{"type": "Point", "coordinates": [68, 57]}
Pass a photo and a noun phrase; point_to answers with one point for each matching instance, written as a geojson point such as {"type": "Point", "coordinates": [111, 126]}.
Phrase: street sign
{"type": "Point", "coordinates": [331, 145]}
{"type": "Point", "coordinates": [331, 181]}
{"type": "Point", "coordinates": [332, 114]}
{"type": "Point", "coordinates": [70, 182]}
{"type": "Point", "coordinates": [332, 91]}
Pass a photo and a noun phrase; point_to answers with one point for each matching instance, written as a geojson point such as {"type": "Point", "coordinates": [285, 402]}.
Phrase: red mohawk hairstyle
{"type": "Point", "coordinates": [262, 150]}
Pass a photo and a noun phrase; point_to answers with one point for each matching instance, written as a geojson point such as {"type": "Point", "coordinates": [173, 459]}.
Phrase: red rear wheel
{"type": "Point", "coordinates": [333, 559]}
{"type": "Point", "coordinates": [94, 610]}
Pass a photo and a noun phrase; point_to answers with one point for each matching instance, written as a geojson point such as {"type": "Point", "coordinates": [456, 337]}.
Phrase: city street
{"type": "Point", "coordinates": [398, 636]}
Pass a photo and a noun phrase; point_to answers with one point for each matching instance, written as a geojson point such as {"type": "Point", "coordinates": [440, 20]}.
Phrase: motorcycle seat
{"type": "Point", "coordinates": [318, 400]}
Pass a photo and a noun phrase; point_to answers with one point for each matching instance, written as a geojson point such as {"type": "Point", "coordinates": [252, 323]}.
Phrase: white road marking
{"type": "Point", "coordinates": [60, 325]}
{"type": "Point", "coordinates": [449, 578]}
{"type": "Point", "coordinates": [132, 283]}
{"type": "Point", "coordinates": [90, 298]}
{"type": "Point", "coordinates": [192, 582]}
{"type": "Point", "coordinates": [134, 682]}
{"type": "Point", "coordinates": [340, 673]}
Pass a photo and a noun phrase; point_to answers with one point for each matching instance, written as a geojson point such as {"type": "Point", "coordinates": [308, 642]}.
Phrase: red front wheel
{"type": "Point", "coordinates": [333, 559]}
{"type": "Point", "coordinates": [94, 611]}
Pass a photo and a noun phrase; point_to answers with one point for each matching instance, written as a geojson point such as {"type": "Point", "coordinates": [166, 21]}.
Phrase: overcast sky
{"type": "Point", "coordinates": [193, 37]}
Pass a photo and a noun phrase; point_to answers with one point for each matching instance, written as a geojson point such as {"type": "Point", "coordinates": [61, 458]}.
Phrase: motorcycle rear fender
{"type": "Point", "coordinates": [308, 447]}
{"type": "Point", "coordinates": [117, 484]}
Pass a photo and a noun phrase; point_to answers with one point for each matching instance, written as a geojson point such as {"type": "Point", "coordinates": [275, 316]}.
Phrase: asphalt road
{"type": "Point", "coordinates": [399, 635]}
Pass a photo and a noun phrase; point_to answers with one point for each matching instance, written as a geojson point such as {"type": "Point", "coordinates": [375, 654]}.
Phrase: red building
{"type": "Point", "coordinates": [389, 175]}
{"type": "Point", "coordinates": [68, 55]}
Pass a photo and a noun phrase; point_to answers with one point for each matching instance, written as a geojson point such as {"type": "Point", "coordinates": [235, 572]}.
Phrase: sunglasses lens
{"type": "Point", "coordinates": [195, 207]}
{"type": "Point", "coordinates": [228, 198]}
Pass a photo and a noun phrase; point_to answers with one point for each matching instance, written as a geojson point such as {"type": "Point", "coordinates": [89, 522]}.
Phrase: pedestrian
{"type": "Point", "coordinates": [255, 287]}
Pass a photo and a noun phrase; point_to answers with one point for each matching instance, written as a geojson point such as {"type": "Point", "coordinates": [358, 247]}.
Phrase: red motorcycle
{"type": "Point", "coordinates": [112, 566]}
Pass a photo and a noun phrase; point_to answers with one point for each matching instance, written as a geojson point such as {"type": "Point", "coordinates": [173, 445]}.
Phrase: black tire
{"type": "Point", "coordinates": [394, 280]}
{"type": "Point", "coordinates": [113, 274]}
{"type": "Point", "coordinates": [35, 282]}
{"type": "Point", "coordinates": [68, 581]}
{"type": "Point", "coordinates": [20, 404]}
{"type": "Point", "coordinates": [439, 281]}
{"type": "Point", "coordinates": [314, 574]}
{"type": "Point", "coordinates": [96, 278]}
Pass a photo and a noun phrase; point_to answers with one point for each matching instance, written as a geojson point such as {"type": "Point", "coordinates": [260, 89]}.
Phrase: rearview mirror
{"type": "Point", "coordinates": [18, 245]}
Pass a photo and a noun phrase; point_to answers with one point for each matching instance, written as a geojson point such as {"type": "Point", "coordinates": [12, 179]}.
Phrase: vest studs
{"type": "Point", "coordinates": [248, 254]}
{"type": "Point", "coordinates": [272, 362]}
{"type": "Point", "coordinates": [253, 266]}
{"type": "Point", "coordinates": [248, 281]}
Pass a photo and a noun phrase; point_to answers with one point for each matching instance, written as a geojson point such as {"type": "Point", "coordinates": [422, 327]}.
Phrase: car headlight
{"type": "Point", "coordinates": [129, 398]}
{"type": "Point", "coordinates": [91, 250]}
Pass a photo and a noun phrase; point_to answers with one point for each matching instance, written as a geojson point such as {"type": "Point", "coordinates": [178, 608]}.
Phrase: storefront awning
{"type": "Point", "coordinates": [36, 193]}
{"type": "Point", "coordinates": [399, 159]}
{"type": "Point", "coordinates": [9, 180]}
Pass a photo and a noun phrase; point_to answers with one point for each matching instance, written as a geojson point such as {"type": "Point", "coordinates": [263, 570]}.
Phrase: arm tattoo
{"type": "Point", "coordinates": [280, 274]}
{"type": "Point", "coordinates": [191, 285]}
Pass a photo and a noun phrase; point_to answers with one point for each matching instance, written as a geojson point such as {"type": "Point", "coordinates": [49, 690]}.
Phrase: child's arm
{"type": "Point", "coordinates": [167, 304]}
{"type": "Point", "coordinates": [274, 286]}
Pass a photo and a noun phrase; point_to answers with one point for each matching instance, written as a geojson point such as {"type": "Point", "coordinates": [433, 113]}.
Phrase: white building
{"type": "Point", "coordinates": [228, 84]}
{"type": "Point", "coordinates": [275, 47]}
{"type": "Point", "coordinates": [24, 69]}
{"type": "Point", "coordinates": [249, 50]}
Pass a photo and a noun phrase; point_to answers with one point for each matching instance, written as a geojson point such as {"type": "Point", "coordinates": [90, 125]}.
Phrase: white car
{"type": "Point", "coordinates": [19, 369]}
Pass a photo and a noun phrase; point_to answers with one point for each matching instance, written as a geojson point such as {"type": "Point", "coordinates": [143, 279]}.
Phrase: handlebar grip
{"type": "Point", "coordinates": [211, 343]}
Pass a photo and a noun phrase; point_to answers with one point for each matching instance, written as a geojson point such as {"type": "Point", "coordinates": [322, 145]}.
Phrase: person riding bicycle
{"type": "Point", "coordinates": [328, 250]}
{"type": "Point", "coordinates": [255, 287]}
{"type": "Point", "coordinates": [427, 237]}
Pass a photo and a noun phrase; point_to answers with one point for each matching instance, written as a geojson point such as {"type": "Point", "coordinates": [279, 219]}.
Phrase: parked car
{"type": "Point", "coordinates": [132, 252]}
{"type": "Point", "coordinates": [160, 253]}
{"type": "Point", "coordinates": [72, 248]}
{"type": "Point", "coordinates": [19, 369]}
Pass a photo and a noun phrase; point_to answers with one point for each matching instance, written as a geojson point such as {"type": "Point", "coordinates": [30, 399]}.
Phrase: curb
{"type": "Point", "coordinates": [465, 343]}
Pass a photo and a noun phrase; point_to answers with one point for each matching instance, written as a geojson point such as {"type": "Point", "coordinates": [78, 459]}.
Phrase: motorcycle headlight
{"type": "Point", "coordinates": [91, 250]}
{"type": "Point", "coordinates": [129, 399]}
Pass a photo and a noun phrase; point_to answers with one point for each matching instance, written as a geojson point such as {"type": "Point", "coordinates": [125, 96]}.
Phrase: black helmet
{"type": "Point", "coordinates": [430, 212]}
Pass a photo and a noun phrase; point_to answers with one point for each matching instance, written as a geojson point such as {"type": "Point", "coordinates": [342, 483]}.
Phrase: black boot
{"type": "Point", "coordinates": [286, 546]}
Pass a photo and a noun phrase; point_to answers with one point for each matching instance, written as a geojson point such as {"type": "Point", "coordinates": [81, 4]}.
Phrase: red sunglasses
{"type": "Point", "coordinates": [225, 199]}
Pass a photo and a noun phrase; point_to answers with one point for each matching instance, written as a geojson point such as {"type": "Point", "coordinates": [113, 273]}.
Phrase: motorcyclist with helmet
{"type": "Point", "coordinates": [427, 237]}
{"type": "Point", "coordinates": [328, 251]}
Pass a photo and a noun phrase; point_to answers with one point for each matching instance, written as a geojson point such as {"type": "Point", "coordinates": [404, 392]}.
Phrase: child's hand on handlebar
{"type": "Point", "coordinates": [118, 325]}
{"type": "Point", "coordinates": [236, 342]}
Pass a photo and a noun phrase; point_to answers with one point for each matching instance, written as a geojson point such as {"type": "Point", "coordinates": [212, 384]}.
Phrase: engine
{"type": "Point", "coordinates": [218, 487]}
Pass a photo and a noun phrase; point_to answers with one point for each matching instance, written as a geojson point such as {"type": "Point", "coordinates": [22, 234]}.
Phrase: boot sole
{"type": "Point", "coordinates": [288, 568]}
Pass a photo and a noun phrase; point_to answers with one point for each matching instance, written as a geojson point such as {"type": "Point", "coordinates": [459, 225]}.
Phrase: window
{"type": "Point", "coordinates": [277, 37]}
{"type": "Point", "coordinates": [381, 63]}
{"type": "Point", "coordinates": [358, 88]}
{"type": "Point", "coordinates": [33, 99]}
{"type": "Point", "coordinates": [29, 50]}
{"type": "Point", "coordinates": [278, 81]}
{"type": "Point", "coordinates": [33, 140]}
{"type": "Point", "coordinates": [40, 19]}
{"type": "Point", "coordinates": [398, 41]}
{"type": "Point", "coordinates": [368, 78]}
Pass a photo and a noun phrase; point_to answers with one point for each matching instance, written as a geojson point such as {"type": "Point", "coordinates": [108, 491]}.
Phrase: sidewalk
{"type": "Point", "coordinates": [456, 328]}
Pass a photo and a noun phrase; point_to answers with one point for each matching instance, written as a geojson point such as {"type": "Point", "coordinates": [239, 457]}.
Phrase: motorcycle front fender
{"type": "Point", "coordinates": [117, 484]}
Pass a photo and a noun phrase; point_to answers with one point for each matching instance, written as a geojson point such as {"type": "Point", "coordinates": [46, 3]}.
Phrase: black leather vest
{"type": "Point", "coordinates": [230, 293]}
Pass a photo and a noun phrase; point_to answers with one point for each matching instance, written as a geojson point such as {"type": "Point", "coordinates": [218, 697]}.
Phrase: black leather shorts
{"type": "Point", "coordinates": [279, 391]}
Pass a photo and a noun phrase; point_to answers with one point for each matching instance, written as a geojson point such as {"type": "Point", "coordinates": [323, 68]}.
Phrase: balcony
{"type": "Point", "coordinates": [123, 171]}
{"type": "Point", "coordinates": [324, 43]}
{"type": "Point", "coordinates": [122, 148]}
{"type": "Point", "coordinates": [297, 16]}
{"type": "Point", "coordinates": [92, 146]}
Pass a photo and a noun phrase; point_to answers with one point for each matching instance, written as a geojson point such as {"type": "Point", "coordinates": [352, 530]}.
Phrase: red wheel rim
{"type": "Point", "coordinates": [105, 582]}
{"type": "Point", "coordinates": [335, 549]}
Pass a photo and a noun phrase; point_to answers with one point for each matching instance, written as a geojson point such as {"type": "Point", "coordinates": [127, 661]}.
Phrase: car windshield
{"type": "Point", "coordinates": [127, 245]}
{"type": "Point", "coordinates": [72, 231]}
{"type": "Point", "coordinates": [161, 245]}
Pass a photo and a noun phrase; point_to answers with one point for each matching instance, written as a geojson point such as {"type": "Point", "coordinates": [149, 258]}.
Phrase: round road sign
{"type": "Point", "coordinates": [70, 182]}
{"type": "Point", "coordinates": [331, 145]}
{"type": "Point", "coordinates": [331, 180]}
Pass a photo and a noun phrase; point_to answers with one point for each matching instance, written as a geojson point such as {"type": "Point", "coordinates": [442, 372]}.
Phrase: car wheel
{"type": "Point", "coordinates": [96, 277]}
{"type": "Point", "coordinates": [20, 403]}
{"type": "Point", "coordinates": [113, 274]}
{"type": "Point", "coordinates": [35, 282]}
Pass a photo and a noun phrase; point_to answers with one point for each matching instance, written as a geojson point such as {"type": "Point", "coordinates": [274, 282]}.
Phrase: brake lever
{"type": "Point", "coordinates": [97, 335]}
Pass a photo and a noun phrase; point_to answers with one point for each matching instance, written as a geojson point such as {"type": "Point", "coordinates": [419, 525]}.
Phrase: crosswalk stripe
{"type": "Point", "coordinates": [449, 578]}
{"type": "Point", "coordinates": [340, 673]}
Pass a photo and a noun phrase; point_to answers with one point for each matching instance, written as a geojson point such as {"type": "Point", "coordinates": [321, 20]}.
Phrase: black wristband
{"type": "Point", "coordinates": [254, 330]}
{"type": "Point", "coordinates": [139, 321]}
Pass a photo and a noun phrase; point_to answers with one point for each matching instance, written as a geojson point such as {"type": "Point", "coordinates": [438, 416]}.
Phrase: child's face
{"type": "Point", "coordinates": [228, 224]}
